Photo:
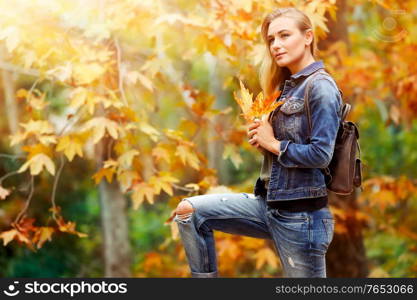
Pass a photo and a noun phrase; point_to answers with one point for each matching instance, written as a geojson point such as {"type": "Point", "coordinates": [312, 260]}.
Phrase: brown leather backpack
{"type": "Point", "coordinates": [345, 169]}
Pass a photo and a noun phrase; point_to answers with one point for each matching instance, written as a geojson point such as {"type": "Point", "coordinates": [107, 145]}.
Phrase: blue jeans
{"type": "Point", "coordinates": [301, 239]}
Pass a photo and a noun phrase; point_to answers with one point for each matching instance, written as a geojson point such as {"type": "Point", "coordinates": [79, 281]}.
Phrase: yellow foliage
{"type": "Point", "coordinates": [140, 192]}
{"type": "Point", "coordinates": [104, 172]}
{"type": "Point", "coordinates": [185, 153]}
{"type": "Point", "coordinates": [258, 108]}
{"type": "Point", "coordinates": [37, 163]}
{"type": "Point", "coordinates": [125, 160]}
{"type": "Point", "coordinates": [164, 182]}
{"type": "Point", "coordinates": [87, 73]}
{"type": "Point", "coordinates": [70, 145]}
{"type": "Point", "coordinates": [42, 235]}
{"type": "Point", "coordinates": [100, 125]}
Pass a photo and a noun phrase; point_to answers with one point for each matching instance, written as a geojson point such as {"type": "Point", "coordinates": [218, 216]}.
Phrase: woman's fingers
{"type": "Point", "coordinates": [251, 129]}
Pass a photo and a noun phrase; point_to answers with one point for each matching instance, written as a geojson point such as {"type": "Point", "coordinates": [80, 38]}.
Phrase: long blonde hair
{"type": "Point", "coordinates": [270, 75]}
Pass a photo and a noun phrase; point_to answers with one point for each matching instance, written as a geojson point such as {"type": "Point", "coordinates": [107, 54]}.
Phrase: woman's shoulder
{"type": "Point", "coordinates": [322, 80]}
{"type": "Point", "coordinates": [322, 76]}
{"type": "Point", "coordinates": [324, 89]}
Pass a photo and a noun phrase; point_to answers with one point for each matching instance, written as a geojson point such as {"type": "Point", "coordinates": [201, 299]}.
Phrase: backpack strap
{"type": "Point", "coordinates": [344, 109]}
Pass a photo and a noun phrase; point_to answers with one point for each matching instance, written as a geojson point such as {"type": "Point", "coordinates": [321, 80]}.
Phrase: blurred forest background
{"type": "Point", "coordinates": [113, 111]}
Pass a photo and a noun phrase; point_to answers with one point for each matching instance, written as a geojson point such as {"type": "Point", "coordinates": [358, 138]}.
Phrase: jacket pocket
{"type": "Point", "coordinates": [292, 105]}
{"type": "Point", "coordinates": [292, 114]}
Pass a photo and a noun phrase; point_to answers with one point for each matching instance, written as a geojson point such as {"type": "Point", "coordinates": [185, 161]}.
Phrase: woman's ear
{"type": "Point", "coordinates": [308, 37]}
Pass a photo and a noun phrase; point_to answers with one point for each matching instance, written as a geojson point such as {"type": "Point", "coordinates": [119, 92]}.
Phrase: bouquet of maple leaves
{"type": "Point", "coordinates": [258, 108]}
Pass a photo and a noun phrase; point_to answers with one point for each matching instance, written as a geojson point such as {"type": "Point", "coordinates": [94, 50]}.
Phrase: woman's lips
{"type": "Point", "coordinates": [279, 55]}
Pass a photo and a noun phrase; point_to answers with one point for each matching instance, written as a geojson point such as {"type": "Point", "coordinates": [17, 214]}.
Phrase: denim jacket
{"type": "Point", "coordinates": [295, 172]}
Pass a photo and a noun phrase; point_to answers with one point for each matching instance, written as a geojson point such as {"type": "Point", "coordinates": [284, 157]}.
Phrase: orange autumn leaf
{"type": "Point", "coordinates": [104, 172]}
{"type": "Point", "coordinates": [8, 236]}
{"type": "Point", "coordinates": [152, 261]}
{"type": "Point", "coordinates": [21, 232]}
{"type": "Point", "coordinates": [68, 227]}
{"type": "Point", "coordinates": [263, 106]}
{"type": "Point", "coordinates": [257, 108]}
{"type": "Point", "coordinates": [42, 235]}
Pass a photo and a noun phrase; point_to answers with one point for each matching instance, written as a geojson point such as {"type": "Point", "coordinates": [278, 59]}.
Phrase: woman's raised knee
{"type": "Point", "coordinates": [184, 209]}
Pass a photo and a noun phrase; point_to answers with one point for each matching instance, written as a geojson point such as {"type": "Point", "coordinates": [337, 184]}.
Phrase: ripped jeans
{"type": "Point", "coordinates": [301, 239]}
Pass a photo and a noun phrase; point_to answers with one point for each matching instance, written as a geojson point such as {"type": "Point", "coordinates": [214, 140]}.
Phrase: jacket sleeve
{"type": "Point", "coordinates": [325, 102]}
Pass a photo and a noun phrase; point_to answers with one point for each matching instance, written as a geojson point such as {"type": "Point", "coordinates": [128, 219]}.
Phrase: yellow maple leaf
{"type": "Point", "coordinates": [104, 172]}
{"type": "Point", "coordinates": [87, 73]}
{"type": "Point", "coordinates": [78, 97]}
{"type": "Point", "coordinates": [42, 130]}
{"type": "Point", "coordinates": [140, 191]}
{"type": "Point", "coordinates": [161, 153]}
{"type": "Point", "coordinates": [36, 164]}
{"type": "Point", "coordinates": [83, 97]}
{"type": "Point", "coordinates": [100, 125]}
{"type": "Point", "coordinates": [187, 156]}
{"type": "Point", "coordinates": [8, 236]}
{"type": "Point", "coordinates": [36, 149]}
{"type": "Point", "coordinates": [38, 126]}
{"type": "Point", "coordinates": [126, 178]}
{"type": "Point", "coordinates": [125, 160]}
{"type": "Point", "coordinates": [149, 130]}
{"type": "Point", "coordinates": [261, 106]}
{"type": "Point", "coordinates": [163, 182]}
{"type": "Point", "coordinates": [245, 101]}
{"type": "Point", "coordinates": [255, 109]}
{"type": "Point", "coordinates": [42, 235]}
{"type": "Point", "coordinates": [17, 138]}
{"type": "Point", "coordinates": [70, 145]}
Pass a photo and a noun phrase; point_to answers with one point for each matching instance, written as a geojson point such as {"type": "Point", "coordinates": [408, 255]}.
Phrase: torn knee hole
{"type": "Point", "coordinates": [184, 210]}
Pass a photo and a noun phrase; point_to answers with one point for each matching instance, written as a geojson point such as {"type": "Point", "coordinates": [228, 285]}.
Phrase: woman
{"type": "Point", "coordinates": [289, 204]}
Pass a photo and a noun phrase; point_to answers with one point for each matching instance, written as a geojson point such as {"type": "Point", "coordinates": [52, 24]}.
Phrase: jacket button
{"type": "Point", "coordinates": [292, 83]}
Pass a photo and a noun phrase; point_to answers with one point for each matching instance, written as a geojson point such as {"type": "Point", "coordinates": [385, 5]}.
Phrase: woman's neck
{"type": "Point", "coordinates": [305, 61]}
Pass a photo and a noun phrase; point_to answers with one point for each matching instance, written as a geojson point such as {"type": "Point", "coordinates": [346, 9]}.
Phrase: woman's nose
{"type": "Point", "coordinates": [276, 44]}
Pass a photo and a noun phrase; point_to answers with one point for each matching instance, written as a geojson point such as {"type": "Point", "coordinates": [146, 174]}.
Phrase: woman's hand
{"type": "Point", "coordinates": [251, 132]}
{"type": "Point", "coordinates": [261, 135]}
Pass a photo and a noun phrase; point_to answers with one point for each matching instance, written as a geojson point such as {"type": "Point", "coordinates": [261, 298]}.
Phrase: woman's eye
{"type": "Point", "coordinates": [285, 35]}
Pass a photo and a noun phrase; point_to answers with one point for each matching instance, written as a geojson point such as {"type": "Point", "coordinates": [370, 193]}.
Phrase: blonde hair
{"type": "Point", "coordinates": [271, 76]}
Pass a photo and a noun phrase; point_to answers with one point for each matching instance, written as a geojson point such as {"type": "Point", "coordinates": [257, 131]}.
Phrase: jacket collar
{"type": "Point", "coordinates": [309, 69]}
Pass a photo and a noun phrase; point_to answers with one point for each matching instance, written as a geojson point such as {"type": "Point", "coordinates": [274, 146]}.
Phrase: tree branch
{"type": "Point", "coordinates": [32, 188]}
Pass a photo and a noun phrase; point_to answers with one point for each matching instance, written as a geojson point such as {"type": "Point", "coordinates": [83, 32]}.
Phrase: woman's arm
{"type": "Point", "coordinates": [325, 104]}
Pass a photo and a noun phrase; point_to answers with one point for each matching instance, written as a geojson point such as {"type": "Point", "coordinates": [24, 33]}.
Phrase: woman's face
{"type": "Point", "coordinates": [287, 43]}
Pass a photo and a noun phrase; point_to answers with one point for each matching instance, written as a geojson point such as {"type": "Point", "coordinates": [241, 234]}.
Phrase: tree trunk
{"type": "Point", "coordinates": [346, 256]}
{"type": "Point", "coordinates": [114, 223]}
{"type": "Point", "coordinates": [11, 109]}
{"type": "Point", "coordinates": [215, 148]}
{"type": "Point", "coordinates": [337, 28]}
